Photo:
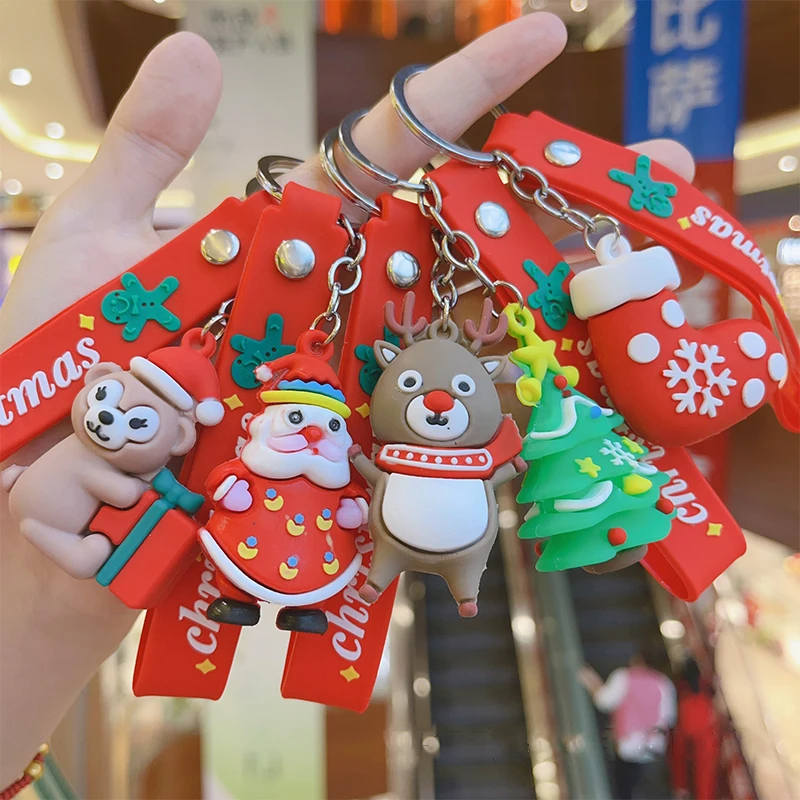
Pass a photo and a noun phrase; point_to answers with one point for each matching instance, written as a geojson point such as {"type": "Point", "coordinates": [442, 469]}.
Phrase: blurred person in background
{"type": "Point", "coordinates": [695, 742]}
{"type": "Point", "coordinates": [642, 703]}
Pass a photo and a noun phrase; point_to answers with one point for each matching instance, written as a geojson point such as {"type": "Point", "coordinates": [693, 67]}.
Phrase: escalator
{"type": "Point", "coordinates": [616, 618]}
{"type": "Point", "coordinates": [476, 701]}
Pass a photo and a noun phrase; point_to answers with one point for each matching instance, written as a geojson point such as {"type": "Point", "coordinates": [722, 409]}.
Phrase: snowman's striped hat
{"type": "Point", "coordinates": [303, 377]}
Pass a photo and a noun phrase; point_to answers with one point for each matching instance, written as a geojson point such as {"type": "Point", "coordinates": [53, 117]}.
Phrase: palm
{"type": "Point", "coordinates": [103, 225]}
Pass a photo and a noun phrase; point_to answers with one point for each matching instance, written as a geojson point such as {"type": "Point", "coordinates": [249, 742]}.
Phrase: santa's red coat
{"type": "Point", "coordinates": [287, 542]}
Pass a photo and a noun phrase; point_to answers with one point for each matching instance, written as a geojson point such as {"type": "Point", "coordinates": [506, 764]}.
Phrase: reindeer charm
{"type": "Point", "coordinates": [446, 447]}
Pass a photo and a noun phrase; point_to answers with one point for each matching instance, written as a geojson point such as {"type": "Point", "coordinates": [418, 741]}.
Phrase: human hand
{"type": "Point", "coordinates": [58, 629]}
{"type": "Point", "coordinates": [589, 679]}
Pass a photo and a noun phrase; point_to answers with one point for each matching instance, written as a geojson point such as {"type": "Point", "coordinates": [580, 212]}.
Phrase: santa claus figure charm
{"type": "Point", "coordinates": [286, 510]}
{"type": "Point", "coordinates": [446, 449]}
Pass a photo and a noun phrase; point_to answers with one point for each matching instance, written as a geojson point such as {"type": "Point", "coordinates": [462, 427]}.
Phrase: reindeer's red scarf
{"type": "Point", "coordinates": [453, 462]}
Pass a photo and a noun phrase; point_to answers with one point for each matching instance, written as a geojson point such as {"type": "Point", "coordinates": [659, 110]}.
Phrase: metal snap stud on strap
{"type": "Point", "coordinates": [397, 93]}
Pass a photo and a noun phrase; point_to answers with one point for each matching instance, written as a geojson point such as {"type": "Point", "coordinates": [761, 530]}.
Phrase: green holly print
{"type": "Point", "coordinates": [645, 192]}
{"type": "Point", "coordinates": [371, 371]}
{"type": "Point", "coordinates": [133, 306]}
{"type": "Point", "coordinates": [255, 352]}
{"type": "Point", "coordinates": [550, 297]}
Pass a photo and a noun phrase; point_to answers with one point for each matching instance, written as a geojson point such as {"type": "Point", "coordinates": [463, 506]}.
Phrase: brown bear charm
{"type": "Point", "coordinates": [127, 425]}
{"type": "Point", "coordinates": [446, 447]}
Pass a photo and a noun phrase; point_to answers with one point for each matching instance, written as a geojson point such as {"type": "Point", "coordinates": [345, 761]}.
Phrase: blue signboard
{"type": "Point", "coordinates": [683, 74]}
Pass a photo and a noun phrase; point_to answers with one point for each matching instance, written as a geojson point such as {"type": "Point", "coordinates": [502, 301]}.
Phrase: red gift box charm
{"type": "Point", "coordinates": [155, 542]}
{"type": "Point", "coordinates": [674, 385]}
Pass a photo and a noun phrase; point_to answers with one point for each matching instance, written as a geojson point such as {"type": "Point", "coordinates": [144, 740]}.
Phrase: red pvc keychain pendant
{"type": "Point", "coordinates": [688, 559]}
{"type": "Point", "coordinates": [340, 667]}
{"type": "Point", "coordinates": [721, 373]}
{"type": "Point", "coordinates": [177, 287]}
{"type": "Point", "coordinates": [183, 652]}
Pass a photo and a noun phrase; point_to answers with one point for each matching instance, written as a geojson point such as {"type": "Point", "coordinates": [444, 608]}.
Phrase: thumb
{"type": "Point", "coordinates": [156, 128]}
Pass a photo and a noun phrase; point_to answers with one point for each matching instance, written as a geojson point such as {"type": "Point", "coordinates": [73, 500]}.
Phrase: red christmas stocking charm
{"type": "Point", "coordinates": [674, 385]}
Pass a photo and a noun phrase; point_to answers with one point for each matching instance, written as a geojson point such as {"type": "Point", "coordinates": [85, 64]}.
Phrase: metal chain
{"type": "Point", "coordinates": [552, 202]}
{"type": "Point", "coordinates": [450, 245]}
{"type": "Point", "coordinates": [351, 262]}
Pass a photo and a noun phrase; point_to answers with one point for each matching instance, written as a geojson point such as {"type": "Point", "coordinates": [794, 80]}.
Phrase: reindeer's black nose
{"type": "Point", "coordinates": [106, 417]}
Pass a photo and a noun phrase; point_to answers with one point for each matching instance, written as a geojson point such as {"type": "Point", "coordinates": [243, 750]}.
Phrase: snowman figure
{"type": "Point", "coordinates": [286, 510]}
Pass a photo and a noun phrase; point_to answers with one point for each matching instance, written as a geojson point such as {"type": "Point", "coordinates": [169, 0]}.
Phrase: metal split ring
{"type": "Point", "coordinates": [265, 177]}
{"type": "Point", "coordinates": [397, 93]}
{"type": "Point", "coordinates": [327, 157]}
{"type": "Point", "coordinates": [217, 324]}
{"type": "Point", "coordinates": [370, 168]}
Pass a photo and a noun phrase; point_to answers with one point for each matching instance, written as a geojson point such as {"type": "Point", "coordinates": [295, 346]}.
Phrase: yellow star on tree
{"type": "Point", "coordinates": [587, 466]}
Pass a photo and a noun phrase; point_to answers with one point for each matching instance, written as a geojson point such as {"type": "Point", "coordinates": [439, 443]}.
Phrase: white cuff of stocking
{"type": "Point", "coordinates": [637, 276]}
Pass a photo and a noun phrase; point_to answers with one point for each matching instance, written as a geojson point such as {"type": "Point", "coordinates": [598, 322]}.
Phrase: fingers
{"type": "Point", "coordinates": [670, 153]}
{"type": "Point", "coordinates": [452, 95]}
{"type": "Point", "coordinates": [156, 128]}
{"type": "Point", "coordinates": [676, 157]}
{"type": "Point", "coordinates": [449, 97]}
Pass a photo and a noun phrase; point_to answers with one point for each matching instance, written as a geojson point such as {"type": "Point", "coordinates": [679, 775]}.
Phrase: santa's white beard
{"type": "Point", "coordinates": [271, 464]}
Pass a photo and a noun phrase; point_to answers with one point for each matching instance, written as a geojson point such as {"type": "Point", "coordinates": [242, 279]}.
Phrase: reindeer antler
{"type": "Point", "coordinates": [406, 329]}
{"type": "Point", "coordinates": [482, 334]}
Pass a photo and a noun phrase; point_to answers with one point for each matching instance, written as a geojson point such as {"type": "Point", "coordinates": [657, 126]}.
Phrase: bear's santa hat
{"type": "Point", "coordinates": [184, 376]}
{"type": "Point", "coordinates": [304, 377]}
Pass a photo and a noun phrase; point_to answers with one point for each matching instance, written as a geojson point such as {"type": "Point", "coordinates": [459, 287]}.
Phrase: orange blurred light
{"type": "Point", "coordinates": [389, 19]}
{"type": "Point", "coordinates": [332, 16]}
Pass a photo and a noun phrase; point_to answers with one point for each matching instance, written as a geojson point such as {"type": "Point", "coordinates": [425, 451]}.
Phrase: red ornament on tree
{"type": "Point", "coordinates": [617, 536]}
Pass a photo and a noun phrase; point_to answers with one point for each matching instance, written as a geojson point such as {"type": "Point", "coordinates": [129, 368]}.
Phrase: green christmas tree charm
{"type": "Point", "coordinates": [592, 494]}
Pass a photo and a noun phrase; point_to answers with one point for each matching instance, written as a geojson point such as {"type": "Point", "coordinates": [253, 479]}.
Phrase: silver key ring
{"type": "Point", "coordinates": [370, 168]}
{"type": "Point", "coordinates": [397, 93]}
{"type": "Point", "coordinates": [327, 158]}
{"type": "Point", "coordinates": [264, 174]}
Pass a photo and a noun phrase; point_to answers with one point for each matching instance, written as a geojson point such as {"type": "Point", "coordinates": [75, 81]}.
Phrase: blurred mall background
{"type": "Point", "coordinates": [488, 708]}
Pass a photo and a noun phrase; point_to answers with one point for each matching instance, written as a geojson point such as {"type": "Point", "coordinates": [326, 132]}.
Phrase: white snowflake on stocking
{"type": "Point", "coordinates": [619, 456]}
{"type": "Point", "coordinates": [696, 367]}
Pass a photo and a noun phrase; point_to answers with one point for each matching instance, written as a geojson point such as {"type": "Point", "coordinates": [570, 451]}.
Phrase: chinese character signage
{"type": "Point", "coordinates": [267, 50]}
{"type": "Point", "coordinates": [683, 74]}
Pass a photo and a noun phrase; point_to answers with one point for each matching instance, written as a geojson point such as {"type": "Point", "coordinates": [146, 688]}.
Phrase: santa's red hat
{"type": "Point", "coordinates": [304, 377]}
{"type": "Point", "coordinates": [184, 376]}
